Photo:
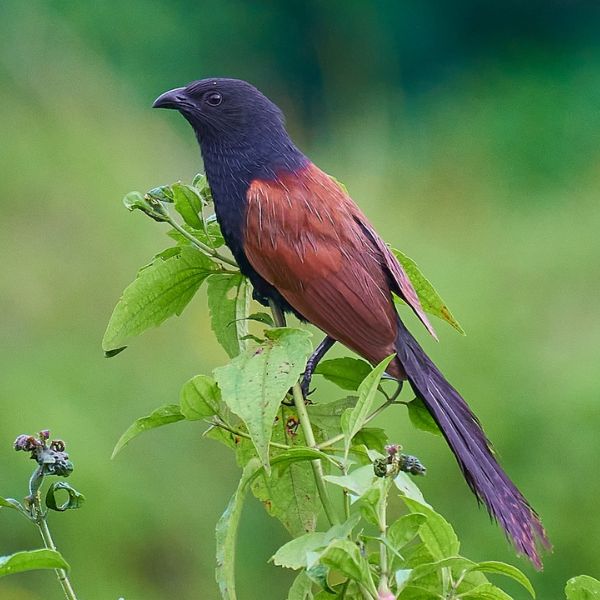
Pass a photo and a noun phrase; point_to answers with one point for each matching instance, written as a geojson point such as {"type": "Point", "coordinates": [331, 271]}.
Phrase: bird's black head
{"type": "Point", "coordinates": [241, 132]}
{"type": "Point", "coordinates": [229, 110]}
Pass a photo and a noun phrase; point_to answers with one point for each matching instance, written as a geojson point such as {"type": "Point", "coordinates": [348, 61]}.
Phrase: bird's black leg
{"type": "Point", "coordinates": [313, 361]}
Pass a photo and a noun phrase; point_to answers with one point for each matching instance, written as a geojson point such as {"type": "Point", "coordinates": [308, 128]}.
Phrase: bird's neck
{"type": "Point", "coordinates": [232, 164]}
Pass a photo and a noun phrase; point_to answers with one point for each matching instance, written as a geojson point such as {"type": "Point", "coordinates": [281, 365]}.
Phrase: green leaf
{"type": "Point", "coordinates": [354, 418]}
{"type": "Point", "coordinates": [262, 317]}
{"type": "Point", "coordinates": [501, 568]}
{"type": "Point", "coordinates": [147, 204]}
{"type": "Point", "coordinates": [161, 416]}
{"type": "Point", "coordinates": [373, 438]}
{"type": "Point", "coordinates": [289, 493]}
{"type": "Point", "coordinates": [428, 296]}
{"type": "Point", "coordinates": [161, 290]}
{"type": "Point", "coordinates": [31, 560]}
{"type": "Point", "coordinates": [255, 382]}
{"type": "Point", "coordinates": [421, 418]}
{"type": "Point", "coordinates": [457, 564]}
{"type": "Point", "coordinates": [226, 534]}
{"type": "Point", "coordinates": [210, 234]}
{"type": "Point", "coordinates": [401, 576]}
{"type": "Point", "coordinates": [200, 182]}
{"type": "Point", "coordinates": [162, 193]}
{"type": "Point", "coordinates": [200, 398]}
{"type": "Point", "coordinates": [583, 587]}
{"type": "Point", "coordinates": [302, 552]}
{"type": "Point", "coordinates": [188, 204]}
{"type": "Point", "coordinates": [347, 372]}
{"type": "Point", "coordinates": [74, 500]}
{"type": "Point", "coordinates": [327, 415]}
{"type": "Point", "coordinates": [301, 588]}
{"type": "Point", "coordinates": [11, 503]}
{"type": "Point", "coordinates": [408, 488]}
{"type": "Point", "coordinates": [358, 482]}
{"type": "Point", "coordinates": [437, 534]}
{"type": "Point", "coordinates": [414, 592]}
{"type": "Point", "coordinates": [486, 591]}
{"type": "Point", "coordinates": [403, 530]}
{"type": "Point", "coordinates": [344, 556]}
{"type": "Point", "coordinates": [228, 302]}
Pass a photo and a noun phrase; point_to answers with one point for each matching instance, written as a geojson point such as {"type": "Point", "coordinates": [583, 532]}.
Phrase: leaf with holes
{"type": "Point", "coordinates": [255, 382]}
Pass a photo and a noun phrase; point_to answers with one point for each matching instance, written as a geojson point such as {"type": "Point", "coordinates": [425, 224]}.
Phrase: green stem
{"type": "Point", "coordinates": [201, 245]}
{"type": "Point", "coordinates": [383, 551]}
{"type": "Point", "coordinates": [40, 521]}
{"type": "Point", "coordinates": [245, 435]}
{"type": "Point", "coordinates": [309, 436]}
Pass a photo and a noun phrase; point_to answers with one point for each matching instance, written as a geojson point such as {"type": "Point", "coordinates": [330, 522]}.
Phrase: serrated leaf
{"type": "Point", "coordinates": [430, 300]}
{"type": "Point", "coordinates": [188, 204]}
{"type": "Point", "coordinates": [403, 530]}
{"type": "Point", "coordinates": [347, 373]}
{"type": "Point", "coordinates": [354, 419]}
{"type": "Point", "coordinates": [161, 416]}
{"type": "Point", "coordinates": [436, 533]}
{"type": "Point", "coordinates": [200, 398]}
{"type": "Point", "coordinates": [289, 494]}
{"type": "Point", "coordinates": [423, 571]}
{"type": "Point", "coordinates": [486, 591]}
{"type": "Point", "coordinates": [583, 587]}
{"type": "Point", "coordinates": [327, 415]}
{"type": "Point", "coordinates": [210, 235]}
{"type": "Point", "coordinates": [301, 588]}
{"type": "Point", "coordinates": [228, 302]}
{"type": "Point", "coordinates": [226, 534]}
{"type": "Point", "coordinates": [30, 561]}
{"type": "Point", "coordinates": [344, 556]}
{"type": "Point", "coordinates": [74, 499]}
{"type": "Point", "coordinates": [303, 551]}
{"type": "Point", "coordinates": [200, 182]}
{"type": "Point", "coordinates": [501, 568]}
{"type": "Point", "coordinates": [421, 418]}
{"type": "Point", "coordinates": [161, 290]}
{"type": "Point", "coordinates": [357, 482]}
{"type": "Point", "coordinates": [255, 382]}
{"type": "Point", "coordinates": [414, 592]}
{"type": "Point", "coordinates": [374, 438]}
{"type": "Point", "coordinates": [408, 488]}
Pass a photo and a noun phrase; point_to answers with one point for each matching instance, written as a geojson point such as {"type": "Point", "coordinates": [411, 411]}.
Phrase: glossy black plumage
{"type": "Point", "coordinates": [305, 244]}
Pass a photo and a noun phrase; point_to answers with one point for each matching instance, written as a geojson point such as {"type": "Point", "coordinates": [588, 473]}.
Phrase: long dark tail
{"type": "Point", "coordinates": [472, 449]}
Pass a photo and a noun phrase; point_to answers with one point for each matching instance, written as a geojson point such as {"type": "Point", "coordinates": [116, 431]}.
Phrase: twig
{"type": "Point", "coordinates": [200, 245]}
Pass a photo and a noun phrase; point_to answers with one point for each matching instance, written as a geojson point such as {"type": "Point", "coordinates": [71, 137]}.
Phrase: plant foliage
{"type": "Point", "coordinates": [302, 462]}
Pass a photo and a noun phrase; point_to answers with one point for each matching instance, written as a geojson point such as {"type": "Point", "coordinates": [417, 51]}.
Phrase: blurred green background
{"type": "Point", "coordinates": [470, 134]}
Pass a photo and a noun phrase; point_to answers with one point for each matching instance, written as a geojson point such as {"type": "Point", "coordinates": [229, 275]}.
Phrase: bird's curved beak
{"type": "Point", "coordinates": [170, 99]}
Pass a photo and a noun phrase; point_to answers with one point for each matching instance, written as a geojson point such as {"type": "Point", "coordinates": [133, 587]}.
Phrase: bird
{"type": "Point", "coordinates": [308, 249]}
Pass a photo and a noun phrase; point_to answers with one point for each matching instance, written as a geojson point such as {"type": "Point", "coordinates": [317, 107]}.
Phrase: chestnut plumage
{"type": "Point", "coordinates": [306, 246]}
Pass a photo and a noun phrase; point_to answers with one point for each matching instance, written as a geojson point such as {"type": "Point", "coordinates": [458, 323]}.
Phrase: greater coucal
{"type": "Point", "coordinates": [307, 247]}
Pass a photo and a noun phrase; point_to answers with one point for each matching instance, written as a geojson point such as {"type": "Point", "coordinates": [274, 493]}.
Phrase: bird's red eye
{"type": "Point", "coordinates": [214, 98]}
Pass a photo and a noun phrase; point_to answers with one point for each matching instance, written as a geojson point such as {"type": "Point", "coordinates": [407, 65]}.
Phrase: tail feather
{"type": "Point", "coordinates": [472, 449]}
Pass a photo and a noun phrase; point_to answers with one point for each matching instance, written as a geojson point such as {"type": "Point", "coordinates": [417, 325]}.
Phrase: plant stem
{"type": "Point", "coordinates": [226, 427]}
{"type": "Point", "coordinates": [309, 436]}
{"type": "Point", "coordinates": [40, 521]}
{"type": "Point", "coordinates": [383, 551]}
{"type": "Point", "coordinates": [201, 245]}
